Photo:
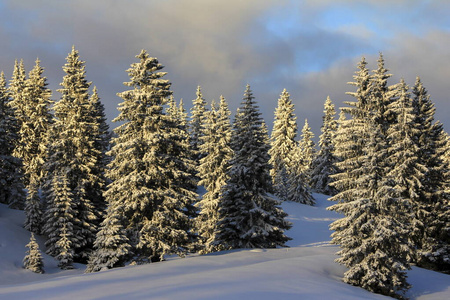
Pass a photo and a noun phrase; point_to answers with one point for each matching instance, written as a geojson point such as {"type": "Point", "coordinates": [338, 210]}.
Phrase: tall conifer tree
{"type": "Point", "coordinates": [197, 116]}
{"type": "Point", "coordinates": [213, 172]}
{"type": "Point", "coordinates": [250, 218]}
{"type": "Point", "coordinates": [11, 185]}
{"type": "Point", "coordinates": [283, 143]}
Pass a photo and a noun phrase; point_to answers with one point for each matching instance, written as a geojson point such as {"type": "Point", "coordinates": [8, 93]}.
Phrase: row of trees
{"type": "Point", "coordinates": [385, 162]}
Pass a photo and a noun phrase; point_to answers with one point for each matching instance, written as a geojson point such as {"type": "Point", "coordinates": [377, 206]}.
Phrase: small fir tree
{"type": "Point", "coordinates": [197, 116]}
{"type": "Point", "coordinates": [249, 217]}
{"type": "Point", "coordinates": [323, 165]}
{"type": "Point", "coordinates": [64, 248]}
{"type": "Point", "coordinates": [33, 260]}
{"type": "Point", "coordinates": [308, 151]}
{"type": "Point", "coordinates": [298, 188]}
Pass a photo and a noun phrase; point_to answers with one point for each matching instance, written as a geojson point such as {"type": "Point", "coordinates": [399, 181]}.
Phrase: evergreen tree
{"type": "Point", "coordinates": [298, 188]}
{"type": "Point", "coordinates": [213, 172]}
{"type": "Point", "coordinates": [373, 234]}
{"type": "Point", "coordinates": [433, 237]}
{"type": "Point", "coordinates": [33, 135]}
{"type": "Point", "coordinates": [64, 248]}
{"type": "Point", "coordinates": [33, 260]}
{"type": "Point", "coordinates": [112, 246]}
{"type": "Point", "coordinates": [147, 171]}
{"type": "Point", "coordinates": [282, 144]}
{"type": "Point", "coordinates": [323, 165]}
{"type": "Point", "coordinates": [250, 218]}
{"type": "Point", "coordinates": [18, 102]}
{"type": "Point", "coordinates": [72, 151]}
{"type": "Point", "coordinates": [197, 115]}
{"type": "Point", "coordinates": [308, 151]}
{"type": "Point", "coordinates": [11, 186]}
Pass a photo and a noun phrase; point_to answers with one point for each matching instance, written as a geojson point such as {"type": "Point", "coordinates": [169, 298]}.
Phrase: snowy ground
{"type": "Point", "coordinates": [304, 271]}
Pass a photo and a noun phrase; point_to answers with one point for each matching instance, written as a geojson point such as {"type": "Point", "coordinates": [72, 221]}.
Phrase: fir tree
{"type": "Point", "coordinates": [11, 186]}
{"type": "Point", "coordinates": [431, 209]}
{"type": "Point", "coordinates": [147, 171]}
{"type": "Point", "coordinates": [323, 165]}
{"type": "Point", "coordinates": [72, 151]}
{"type": "Point", "coordinates": [34, 134]}
{"type": "Point", "coordinates": [308, 151]}
{"type": "Point", "coordinates": [197, 115]}
{"type": "Point", "coordinates": [33, 260]}
{"type": "Point", "coordinates": [64, 248]}
{"type": "Point", "coordinates": [18, 101]}
{"type": "Point", "coordinates": [298, 188]}
{"type": "Point", "coordinates": [373, 234]}
{"type": "Point", "coordinates": [250, 218]}
{"type": "Point", "coordinates": [112, 246]}
{"type": "Point", "coordinates": [282, 144]}
{"type": "Point", "coordinates": [213, 172]}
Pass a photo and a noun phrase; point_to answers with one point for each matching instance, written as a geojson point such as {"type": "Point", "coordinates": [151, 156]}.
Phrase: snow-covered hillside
{"type": "Point", "coordinates": [306, 270]}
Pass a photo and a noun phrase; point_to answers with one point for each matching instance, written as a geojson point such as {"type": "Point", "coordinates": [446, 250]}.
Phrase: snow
{"type": "Point", "coordinates": [306, 270]}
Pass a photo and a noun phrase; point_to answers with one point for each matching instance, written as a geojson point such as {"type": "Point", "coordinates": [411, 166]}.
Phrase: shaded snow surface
{"type": "Point", "coordinates": [306, 270]}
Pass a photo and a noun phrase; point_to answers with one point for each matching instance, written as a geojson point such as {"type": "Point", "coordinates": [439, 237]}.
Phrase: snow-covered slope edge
{"type": "Point", "coordinates": [304, 271]}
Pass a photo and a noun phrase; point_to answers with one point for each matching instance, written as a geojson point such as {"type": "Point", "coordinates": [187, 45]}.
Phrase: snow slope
{"type": "Point", "coordinates": [306, 270]}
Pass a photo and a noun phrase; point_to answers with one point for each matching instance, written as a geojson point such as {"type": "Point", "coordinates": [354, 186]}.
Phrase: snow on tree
{"type": "Point", "coordinates": [18, 101]}
{"type": "Point", "coordinates": [374, 233]}
{"type": "Point", "coordinates": [249, 217]}
{"type": "Point", "coordinates": [112, 247]}
{"type": "Point", "coordinates": [297, 182]}
{"type": "Point", "coordinates": [432, 208]}
{"type": "Point", "coordinates": [33, 134]}
{"type": "Point", "coordinates": [323, 165]}
{"type": "Point", "coordinates": [11, 185]}
{"type": "Point", "coordinates": [213, 172]}
{"type": "Point", "coordinates": [197, 115]}
{"type": "Point", "coordinates": [33, 260]}
{"type": "Point", "coordinates": [72, 151]}
{"type": "Point", "coordinates": [283, 143]}
{"type": "Point", "coordinates": [308, 151]}
{"type": "Point", "coordinates": [64, 248]}
{"type": "Point", "coordinates": [148, 171]}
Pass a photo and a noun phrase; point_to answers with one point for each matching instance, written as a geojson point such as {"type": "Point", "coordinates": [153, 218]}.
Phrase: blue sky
{"type": "Point", "coordinates": [309, 47]}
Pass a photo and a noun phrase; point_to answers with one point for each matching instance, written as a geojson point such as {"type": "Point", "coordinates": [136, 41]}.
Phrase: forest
{"type": "Point", "coordinates": [166, 181]}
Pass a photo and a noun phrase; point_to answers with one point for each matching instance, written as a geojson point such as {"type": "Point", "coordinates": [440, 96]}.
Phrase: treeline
{"type": "Point", "coordinates": [132, 196]}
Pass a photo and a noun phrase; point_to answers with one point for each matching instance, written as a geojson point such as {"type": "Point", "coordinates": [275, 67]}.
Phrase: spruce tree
{"type": "Point", "coordinates": [18, 102]}
{"type": "Point", "coordinates": [283, 143]}
{"type": "Point", "coordinates": [11, 185]}
{"type": "Point", "coordinates": [197, 116]}
{"type": "Point", "coordinates": [147, 164]}
{"type": "Point", "coordinates": [297, 182]}
{"type": "Point", "coordinates": [34, 134]}
{"type": "Point", "coordinates": [72, 152]}
{"type": "Point", "coordinates": [373, 234]}
{"type": "Point", "coordinates": [213, 172]}
{"type": "Point", "coordinates": [323, 165]}
{"type": "Point", "coordinates": [250, 218]}
{"type": "Point", "coordinates": [308, 151]}
{"type": "Point", "coordinates": [432, 206]}
{"type": "Point", "coordinates": [33, 260]}
{"type": "Point", "coordinates": [64, 248]}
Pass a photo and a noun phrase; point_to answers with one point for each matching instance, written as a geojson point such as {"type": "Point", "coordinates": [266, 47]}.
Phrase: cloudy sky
{"type": "Point", "coordinates": [309, 47]}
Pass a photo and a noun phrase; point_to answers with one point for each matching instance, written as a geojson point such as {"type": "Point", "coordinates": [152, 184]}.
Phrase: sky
{"type": "Point", "coordinates": [311, 48]}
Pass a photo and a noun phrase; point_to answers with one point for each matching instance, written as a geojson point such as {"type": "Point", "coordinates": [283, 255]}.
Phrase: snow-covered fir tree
{"type": "Point", "coordinates": [148, 172]}
{"type": "Point", "coordinates": [101, 143]}
{"type": "Point", "coordinates": [431, 209]}
{"type": "Point", "coordinates": [11, 185]}
{"type": "Point", "coordinates": [308, 150]}
{"type": "Point", "coordinates": [72, 154]}
{"type": "Point", "coordinates": [195, 125]}
{"type": "Point", "coordinates": [298, 187]}
{"type": "Point", "coordinates": [373, 234]}
{"type": "Point", "coordinates": [249, 217]}
{"type": "Point", "coordinates": [65, 249]}
{"type": "Point", "coordinates": [34, 134]}
{"type": "Point", "coordinates": [18, 102]}
{"type": "Point", "coordinates": [283, 143]}
{"type": "Point", "coordinates": [111, 247]}
{"type": "Point", "coordinates": [213, 172]}
{"type": "Point", "coordinates": [33, 259]}
{"type": "Point", "coordinates": [323, 165]}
